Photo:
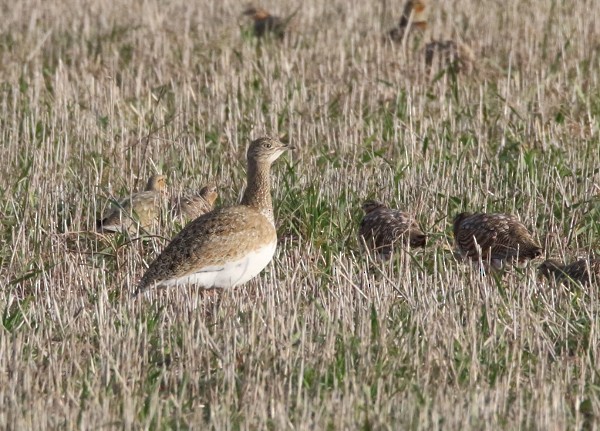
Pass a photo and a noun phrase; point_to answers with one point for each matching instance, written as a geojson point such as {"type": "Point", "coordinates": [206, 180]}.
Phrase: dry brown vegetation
{"type": "Point", "coordinates": [97, 95]}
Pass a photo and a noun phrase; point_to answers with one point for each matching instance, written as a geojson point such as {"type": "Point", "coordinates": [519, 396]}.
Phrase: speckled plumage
{"type": "Point", "coordinates": [382, 229]}
{"type": "Point", "coordinates": [190, 207]}
{"type": "Point", "coordinates": [242, 235]}
{"type": "Point", "coordinates": [415, 14]}
{"type": "Point", "coordinates": [581, 271]}
{"type": "Point", "coordinates": [140, 210]}
{"type": "Point", "coordinates": [497, 238]}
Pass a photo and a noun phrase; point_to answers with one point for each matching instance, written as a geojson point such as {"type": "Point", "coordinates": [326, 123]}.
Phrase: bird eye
{"type": "Point", "coordinates": [268, 145]}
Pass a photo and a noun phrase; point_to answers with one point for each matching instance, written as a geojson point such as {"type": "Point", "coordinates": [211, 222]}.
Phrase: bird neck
{"type": "Point", "coordinates": [258, 191]}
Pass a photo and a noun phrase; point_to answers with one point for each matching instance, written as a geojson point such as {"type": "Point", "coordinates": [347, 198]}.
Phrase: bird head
{"type": "Point", "coordinates": [266, 150]}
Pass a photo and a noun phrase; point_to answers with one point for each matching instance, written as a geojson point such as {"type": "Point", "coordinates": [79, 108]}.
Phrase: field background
{"type": "Point", "coordinates": [97, 95]}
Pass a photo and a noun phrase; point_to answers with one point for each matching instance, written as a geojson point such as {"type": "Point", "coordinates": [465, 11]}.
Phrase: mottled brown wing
{"type": "Point", "coordinates": [370, 232]}
{"type": "Point", "coordinates": [383, 229]}
{"type": "Point", "coordinates": [400, 227]}
{"type": "Point", "coordinates": [225, 234]}
{"type": "Point", "coordinates": [513, 240]}
{"type": "Point", "coordinates": [476, 229]}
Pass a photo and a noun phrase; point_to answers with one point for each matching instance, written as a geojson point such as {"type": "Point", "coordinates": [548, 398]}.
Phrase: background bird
{"type": "Point", "coordinates": [496, 239]}
{"type": "Point", "coordinates": [414, 16]}
{"type": "Point", "coordinates": [382, 229]}
{"type": "Point", "coordinates": [584, 271]}
{"type": "Point", "coordinates": [265, 23]}
{"type": "Point", "coordinates": [140, 210]}
{"type": "Point", "coordinates": [453, 54]}
{"type": "Point", "coordinates": [230, 245]}
{"type": "Point", "coordinates": [189, 207]}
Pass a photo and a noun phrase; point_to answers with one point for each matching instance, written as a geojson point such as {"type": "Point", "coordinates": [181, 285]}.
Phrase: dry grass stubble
{"type": "Point", "coordinates": [97, 96]}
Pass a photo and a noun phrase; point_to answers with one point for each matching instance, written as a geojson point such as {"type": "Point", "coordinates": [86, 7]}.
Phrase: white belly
{"type": "Point", "coordinates": [229, 274]}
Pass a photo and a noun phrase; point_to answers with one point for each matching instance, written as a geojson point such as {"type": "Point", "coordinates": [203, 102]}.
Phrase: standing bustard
{"type": "Point", "coordinates": [230, 245]}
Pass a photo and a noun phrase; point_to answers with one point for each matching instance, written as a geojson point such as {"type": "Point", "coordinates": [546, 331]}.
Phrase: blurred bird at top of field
{"type": "Point", "coordinates": [137, 211]}
{"type": "Point", "coordinates": [583, 271]}
{"type": "Point", "coordinates": [382, 229]}
{"type": "Point", "coordinates": [414, 16]}
{"type": "Point", "coordinates": [494, 239]}
{"type": "Point", "coordinates": [189, 207]}
{"type": "Point", "coordinates": [454, 54]}
{"type": "Point", "coordinates": [265, 23]}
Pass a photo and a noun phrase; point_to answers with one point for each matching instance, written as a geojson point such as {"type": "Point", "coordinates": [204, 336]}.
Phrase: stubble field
{"type": "Point", "coordinates": [95, 96]}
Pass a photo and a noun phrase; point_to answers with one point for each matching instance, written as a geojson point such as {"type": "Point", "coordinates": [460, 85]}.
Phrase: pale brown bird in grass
{"type": "Point", "coordinates": [383, 229]}
{"type": "Point", "coordinates": [140, 210]}
{"type": "Point", "coordinates": [584, 271]}
{"type": "Point", "coordinates": [414, 16]}
{"type": "Point", "coordinates": [496, 239]}
{"type": "Point", "coordinates": [189, 207]}
{"type": "Point", "coordinates": [265, 23]}
{"type": "Point", "coordinates": [230, 245]}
